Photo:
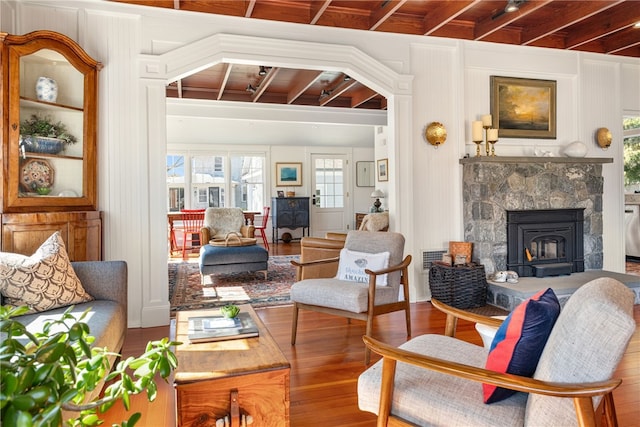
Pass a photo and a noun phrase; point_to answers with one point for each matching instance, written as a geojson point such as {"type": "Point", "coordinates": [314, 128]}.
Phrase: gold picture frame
{"type": "Point", "coordinates": [523, 108]}
{"type": "Point", "coordinates": [288, 174]}
{"type": "Point", "coordinates": [383, 170]}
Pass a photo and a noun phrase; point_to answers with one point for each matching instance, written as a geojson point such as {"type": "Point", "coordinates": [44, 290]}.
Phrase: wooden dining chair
{"type": "Point", "coordinates": [192, 220]}
{"type": "Point", "coordinates": [262, 229]}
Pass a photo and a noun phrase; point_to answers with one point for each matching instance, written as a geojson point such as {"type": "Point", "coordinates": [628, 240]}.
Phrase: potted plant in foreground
{"type": "Point", "coordinates": [42, 134]}
{"type": "Point", "coordinates": [54, 370]}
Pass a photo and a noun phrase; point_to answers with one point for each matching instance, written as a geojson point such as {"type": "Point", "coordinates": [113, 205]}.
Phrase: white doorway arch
{"type": "Point", "coordinates": [159, 70]}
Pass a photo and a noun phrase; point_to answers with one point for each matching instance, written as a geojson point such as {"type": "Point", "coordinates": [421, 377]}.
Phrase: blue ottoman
{"type": "Point", "coordinates": [232, 259]}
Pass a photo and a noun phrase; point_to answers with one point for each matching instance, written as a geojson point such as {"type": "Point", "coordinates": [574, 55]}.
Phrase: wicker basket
{"type": "Point", "coordinates": [459, 286]}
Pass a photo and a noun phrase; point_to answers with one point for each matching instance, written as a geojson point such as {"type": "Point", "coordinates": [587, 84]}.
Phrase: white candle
{"type": "Point", "coordinates": [492, 134]}
{"type": "Point", "coordinates": [476, 131]}
{"type": "Point", "coordinates": [486, 120]}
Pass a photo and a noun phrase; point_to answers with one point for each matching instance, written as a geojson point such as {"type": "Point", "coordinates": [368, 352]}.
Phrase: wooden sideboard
{"type": "Point", "coordinates": [289, 212]}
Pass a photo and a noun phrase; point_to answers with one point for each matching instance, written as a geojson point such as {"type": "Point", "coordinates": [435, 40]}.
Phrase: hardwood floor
{"type": "Point", "coordinates": [328, 357]}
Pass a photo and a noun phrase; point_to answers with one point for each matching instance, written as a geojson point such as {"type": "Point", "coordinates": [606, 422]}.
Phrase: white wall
{"type": "Point", "coordinates": [450, 85]}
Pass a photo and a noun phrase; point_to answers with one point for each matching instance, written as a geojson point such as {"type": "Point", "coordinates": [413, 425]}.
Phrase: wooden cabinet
{"type": "Point", "coordinates": [47, 77]}
{"type": "Point", "coordinates": [289, 212]}
{"type": "Point", "coordinates": [80, 231]}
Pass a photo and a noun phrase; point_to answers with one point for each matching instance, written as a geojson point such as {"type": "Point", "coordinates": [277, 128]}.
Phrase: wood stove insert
{"type": "Point", "coordinates": [545, 242]}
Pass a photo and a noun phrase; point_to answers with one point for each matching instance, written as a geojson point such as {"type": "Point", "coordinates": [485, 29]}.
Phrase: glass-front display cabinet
{"type": "Point", "coordinates": [49, 92]}
{"type": "Point", "coordinates": [49, 98]}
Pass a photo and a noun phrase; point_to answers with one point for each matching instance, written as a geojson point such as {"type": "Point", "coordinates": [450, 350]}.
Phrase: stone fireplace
{"type": "Point", "coordinates": [495, 186]}
{"type": "Point", "coordinates": [545, 242]}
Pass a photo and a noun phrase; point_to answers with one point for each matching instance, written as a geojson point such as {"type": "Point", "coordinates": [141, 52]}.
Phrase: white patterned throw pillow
{"type": "Point", "coordinates": [352, 265]}
{"type": "Point", "coordinates": [42, 281]}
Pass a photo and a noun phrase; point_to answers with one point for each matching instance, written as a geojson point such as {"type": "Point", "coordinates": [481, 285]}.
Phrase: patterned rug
{"type": "Point", "coordinates": [187, 293]}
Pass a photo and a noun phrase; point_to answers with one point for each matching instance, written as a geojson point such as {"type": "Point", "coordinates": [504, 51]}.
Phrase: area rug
{"type": "Point", "coordinates": [186, 292]}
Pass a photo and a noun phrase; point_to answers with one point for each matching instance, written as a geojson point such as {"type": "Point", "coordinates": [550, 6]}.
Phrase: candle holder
{"type": "Point", "coordinates": [486, 138]}
{"type": "Point", "coordinates": [493, 150]}
{"type": "Point", "coordinates": [478, 148]}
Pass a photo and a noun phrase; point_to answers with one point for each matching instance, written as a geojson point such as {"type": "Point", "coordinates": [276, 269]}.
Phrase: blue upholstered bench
{"type": "Point", "coordinates": [232, 259]}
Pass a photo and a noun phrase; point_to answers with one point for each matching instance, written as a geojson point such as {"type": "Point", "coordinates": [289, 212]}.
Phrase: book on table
{"type": "Point", "coordinates": [220, 328]}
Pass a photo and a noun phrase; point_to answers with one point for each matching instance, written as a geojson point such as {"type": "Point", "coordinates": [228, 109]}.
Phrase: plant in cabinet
{"type": "Point", "coordinates": [56, 367]}
{"type": "Point", "coordinates": [37, 130]}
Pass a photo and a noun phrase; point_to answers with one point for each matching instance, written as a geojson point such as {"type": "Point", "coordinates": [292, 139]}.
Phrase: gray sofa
{"type": "Point", "coordinates": [106, 281]}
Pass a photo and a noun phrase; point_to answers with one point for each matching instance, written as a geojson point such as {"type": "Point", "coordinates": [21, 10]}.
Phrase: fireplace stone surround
{"type": "Point", "coordinates": [494, 185]}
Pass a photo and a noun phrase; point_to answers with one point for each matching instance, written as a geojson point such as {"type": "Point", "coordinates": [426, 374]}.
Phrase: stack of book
{"type": "Point", "coordinates": [219, 328]}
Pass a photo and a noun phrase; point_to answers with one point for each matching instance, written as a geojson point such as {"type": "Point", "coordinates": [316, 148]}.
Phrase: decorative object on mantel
{"type": "Point", "coordinates": [490, 135]}
{"type": "Point", "coordinates": [603, 137]}
{"type": "Point", "coordinates": [436, 134]}
{"type": "Point", "coordinates": [376, 194]}
{"type": "Point", "coordinates": [575, 149]}
{"type": "Point", "coordinates": [46, 89]}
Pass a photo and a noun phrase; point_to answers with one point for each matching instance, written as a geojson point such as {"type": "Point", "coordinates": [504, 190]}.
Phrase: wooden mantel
{"type": "Point", "coordinates": [508, 159]}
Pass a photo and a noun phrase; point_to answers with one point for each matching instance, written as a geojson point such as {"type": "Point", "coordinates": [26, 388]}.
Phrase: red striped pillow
{"type": "Point", "coordinates": [518, 343]}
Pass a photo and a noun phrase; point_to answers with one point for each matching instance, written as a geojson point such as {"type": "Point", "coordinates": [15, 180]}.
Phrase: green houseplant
{"type": "Point", "coordinates": [41, 133]}
{"type": "Point", "coordinates": [58, 366]}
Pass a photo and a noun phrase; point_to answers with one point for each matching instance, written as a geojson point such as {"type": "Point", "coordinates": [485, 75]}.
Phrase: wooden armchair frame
{"type": "Point", "coordinates": [372, 309]}
{"type": "Point", "coordinates": [581, 393]}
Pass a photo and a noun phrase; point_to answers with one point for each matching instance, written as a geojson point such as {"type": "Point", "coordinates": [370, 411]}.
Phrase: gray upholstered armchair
{"type": "Point", "coordinates": [439, 380]}
{"type": "Point", "coordinates": [361, 295]}
{"type": "Point", "coordinates": [219, 222]}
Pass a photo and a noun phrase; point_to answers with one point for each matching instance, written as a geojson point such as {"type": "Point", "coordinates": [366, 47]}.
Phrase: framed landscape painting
{"type": "Point", "coordinates": [383, 170]}
{"type": "Point", "coordinates": [523, 108]}
{"type": "Point", "coordinates": [288, 174]}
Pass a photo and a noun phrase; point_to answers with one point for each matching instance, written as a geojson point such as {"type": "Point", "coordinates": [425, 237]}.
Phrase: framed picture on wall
{"type": "Point", "coordinates": [523, 108]}
{"type": "Point", "coordinates": [288, 174]}
{"type": "Point", "coordinates": [383, 170]}
{"type": "Point", "coordinates": [280, 193]}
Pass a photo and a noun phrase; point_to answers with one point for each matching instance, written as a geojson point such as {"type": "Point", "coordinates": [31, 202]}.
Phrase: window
{"type": "Point", "coordinates": [631, 129]}
{"type": "Point", "coordinates": [330, 182]}
{"type": "Point", "coordinates": [212, 177]}
{"type": "Point", "coordinates": [175, 182]}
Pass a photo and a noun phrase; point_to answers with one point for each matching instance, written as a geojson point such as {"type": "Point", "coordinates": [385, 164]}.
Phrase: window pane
{"type": "Point", "coordinates": [175, 182]}
{"type": "Point", "coordinates": [329, 181]}
{"type": "Point", "coordinates": [247, 182]}
{"type": "Point", "coordinates": [207, 181]}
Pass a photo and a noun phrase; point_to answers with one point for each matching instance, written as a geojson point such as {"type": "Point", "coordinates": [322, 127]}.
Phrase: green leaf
{"type": "Point", "coordinates": [50, 353]}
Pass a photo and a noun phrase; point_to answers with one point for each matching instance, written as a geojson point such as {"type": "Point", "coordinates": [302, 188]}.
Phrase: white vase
{"type": "Point", "coordinates": [46, 89]}
{"type": "Point", "coordinates": [575, 149]}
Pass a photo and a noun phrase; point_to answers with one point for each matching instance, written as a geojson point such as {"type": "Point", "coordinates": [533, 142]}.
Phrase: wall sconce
{"type": "Point", "coordinates": [603, 138]}
{"type": "Point", "coordinates": [377, 194]}
{"type": "Point", "coordinates": [436, 134]}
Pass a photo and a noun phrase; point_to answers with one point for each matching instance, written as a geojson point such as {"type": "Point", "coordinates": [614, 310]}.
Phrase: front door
{"type": "Point", "coordinates": [329, 201]}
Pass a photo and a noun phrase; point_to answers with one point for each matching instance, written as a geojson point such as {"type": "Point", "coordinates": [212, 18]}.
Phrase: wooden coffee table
{"type": "Point", "coordinates": [237, 379]}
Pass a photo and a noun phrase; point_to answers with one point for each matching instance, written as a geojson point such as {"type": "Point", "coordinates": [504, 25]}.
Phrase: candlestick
{"type": "Point", "coordinates": [492, 138]}
{"type": "Point", "coordinates": [486, 120]}
{"type": "Point", "coordinates": [476, 135]}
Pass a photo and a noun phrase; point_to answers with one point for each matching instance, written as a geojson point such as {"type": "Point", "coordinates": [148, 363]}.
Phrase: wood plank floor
{"type": "Point", "coordinates": [328, 357]}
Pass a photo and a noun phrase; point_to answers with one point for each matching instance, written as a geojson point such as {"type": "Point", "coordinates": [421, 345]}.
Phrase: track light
{"type": "Point", "coordinates": [347, 78]}
{"type": "Point", "coordinates": [250, 88]}
{"type": "Point", "coordinates": [263, 71]}
{"type": "Point", "coordinates": [512, 6]}
{"type": "Point", "coordinates": [325, 93]}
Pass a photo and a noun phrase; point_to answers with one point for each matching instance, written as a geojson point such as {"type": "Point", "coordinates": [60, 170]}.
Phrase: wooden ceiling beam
{"type": "Point", "coordinates": [250, 5]}
{"type": "Point", "coordinates": [337, 91]}
{"type": "Point", "coordinates": [573, 13]}
{"type": "Point", "coordinates": [362, 95]}
{"type": "Point", "coordinates": [223, 84]}
{"type": "Point", "coordinates": [304, 79]}
{"type": "Point", "coordinates": [622, 40]}
{"type": "Point", "coordinates": [264, 84]}
{"type": "Point", "coordinates": [491, 24]}
{"type": "Point", "coordinates": [384, 12]}
{"type": "Point", "coordinates": [317, 9]}
{"type": "Point", "coordinates": [614, 19]}
{"type": "Point", "coordinates": [443, 13]}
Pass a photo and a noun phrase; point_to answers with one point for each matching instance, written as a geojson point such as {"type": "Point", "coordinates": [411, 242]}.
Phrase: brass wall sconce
{"type": "Point", "coordinates": [436, 134]}
{"type": "Point", "coordinates": [603, 138]}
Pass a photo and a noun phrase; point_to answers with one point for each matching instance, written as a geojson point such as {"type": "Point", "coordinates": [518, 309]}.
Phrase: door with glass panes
{"type": "Point", "coordinates": [330, 198]}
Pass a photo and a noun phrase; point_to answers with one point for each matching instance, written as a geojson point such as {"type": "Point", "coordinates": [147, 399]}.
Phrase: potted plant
{"type": "Point", "coordinates": [56, 367]}
{"type": "Point", "coordinates": [42, 134]}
